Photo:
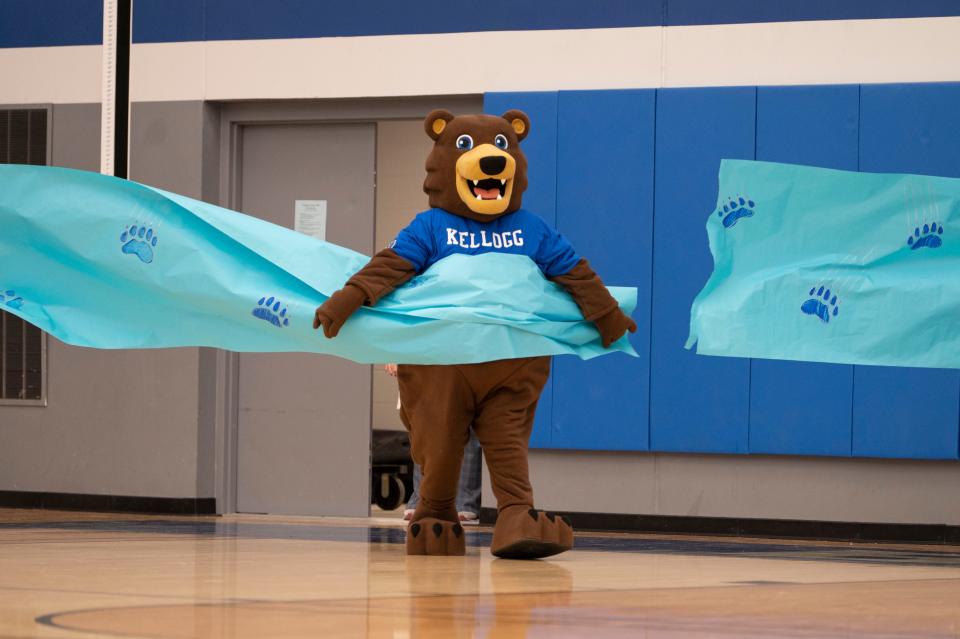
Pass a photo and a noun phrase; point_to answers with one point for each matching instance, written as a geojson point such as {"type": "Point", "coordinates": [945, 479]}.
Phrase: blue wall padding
{"type": "Point", "coordinates": [803, 408]}
{"type": "Point", "coordinates": [50, 23]}
{"type": "Point", "coordinates": [173, 20]}
{"type": "Point", "coordinates": [256, 19]}
{"type": "Point", "coordinates": [691, 12]}
{"type": "Point", "coordinates": [540, 198]}
{"type": "Point", "coordinates": [697, 404]}
{"type": "Point", "coordinates": [904, 413]}
{"type": "Point", "coordinates": [908, 412]}
{"type": "Point", "coordinates": [605, 207]}
{"type": "Point", "coordinates": [181, 20]}
{"type": "Point", "coordinates": [39, 23]}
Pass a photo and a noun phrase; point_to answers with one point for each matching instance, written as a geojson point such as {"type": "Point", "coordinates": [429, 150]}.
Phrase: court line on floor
{"type": "Point", "coordinates": [100, 593]}
{"type": "Point", "coordinates": [231, 601]}
{"type": "Point", "coordinates": [364, 603]}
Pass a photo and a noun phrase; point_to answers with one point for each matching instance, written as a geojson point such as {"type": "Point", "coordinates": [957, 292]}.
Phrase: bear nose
{"type": "Point", "coordinates": [493, 164]}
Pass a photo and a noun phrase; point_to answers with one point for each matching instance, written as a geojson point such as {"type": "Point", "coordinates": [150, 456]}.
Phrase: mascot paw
{"type": "Point", "coordinates": [430, 536]}
{"type": "Point", "coordinates": [613, 326]}
{"type": "Point", "coordinates": [337, 309]}
{"type": "Point", "coordinates": [331, 327]}
{"type": "Point", "coordinates": [526, 533]}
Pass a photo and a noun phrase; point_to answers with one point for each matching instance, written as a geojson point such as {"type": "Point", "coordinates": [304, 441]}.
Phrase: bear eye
{"type": "Point", "coordinates": [464, 142]}
{"type": "Point", "coordinates": [501, 141]}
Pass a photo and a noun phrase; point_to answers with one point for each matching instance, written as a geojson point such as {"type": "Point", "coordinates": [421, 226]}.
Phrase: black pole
{"type": "Point", "coordinates": [121, 105]}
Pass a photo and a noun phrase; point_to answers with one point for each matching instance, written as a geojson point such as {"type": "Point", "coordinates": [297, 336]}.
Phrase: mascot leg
{"type": "Point", "coordinates": [507, 393]}
{"type": "Point", "coordinates": [436, 407]}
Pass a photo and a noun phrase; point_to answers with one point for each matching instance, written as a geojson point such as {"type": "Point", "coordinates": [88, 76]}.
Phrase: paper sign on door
{"type": "Point", "coordinates": [310, 218]}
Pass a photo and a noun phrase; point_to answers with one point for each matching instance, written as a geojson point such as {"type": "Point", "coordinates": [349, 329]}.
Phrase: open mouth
{"type": "Point", "coordinates": [487, 189]}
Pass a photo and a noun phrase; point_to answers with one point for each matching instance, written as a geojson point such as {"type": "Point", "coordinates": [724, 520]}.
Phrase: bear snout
{"type": "Point", "coordinates": [493, 164]}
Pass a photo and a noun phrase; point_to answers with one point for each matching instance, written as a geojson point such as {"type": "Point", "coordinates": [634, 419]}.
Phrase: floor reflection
{"type": "Point", "coordinates": [246, 577]}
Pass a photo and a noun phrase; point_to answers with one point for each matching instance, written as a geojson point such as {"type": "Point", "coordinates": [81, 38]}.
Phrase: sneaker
{"type": "Point", "coordinates": [408, 514]}
{"type": "Point", "coordinates": [468, 518]}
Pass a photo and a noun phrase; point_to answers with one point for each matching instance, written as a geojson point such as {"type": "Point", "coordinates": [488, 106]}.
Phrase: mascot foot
{"type": "Point", "coordinates": [526, 533]}
{"type": "Point", "coordinates": [430, 536]}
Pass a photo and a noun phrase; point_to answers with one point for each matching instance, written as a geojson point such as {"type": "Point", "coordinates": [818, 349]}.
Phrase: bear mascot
{"type": "Point", "coordinates": [476, 176]}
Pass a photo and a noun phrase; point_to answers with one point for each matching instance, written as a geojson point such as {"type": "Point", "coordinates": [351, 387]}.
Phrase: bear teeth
{"type": "Point", "coordinates": [488, 185]}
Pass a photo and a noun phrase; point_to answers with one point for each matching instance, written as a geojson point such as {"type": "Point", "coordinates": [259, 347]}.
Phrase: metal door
{"type": "Point", "coordinates": [303, 440]}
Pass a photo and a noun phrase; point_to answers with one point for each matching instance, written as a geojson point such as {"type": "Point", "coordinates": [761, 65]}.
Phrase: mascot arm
{"type": "Point", "coordinates": [595, 302]}
{"type": "Point", "coordinates": [384, 272]}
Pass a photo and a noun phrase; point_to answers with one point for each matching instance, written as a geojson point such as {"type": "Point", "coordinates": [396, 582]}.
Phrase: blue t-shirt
{"type": "Point", "coordinates": [436, 234]}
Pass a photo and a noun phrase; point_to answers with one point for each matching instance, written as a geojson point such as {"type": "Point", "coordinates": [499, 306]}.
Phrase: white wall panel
{"type": "Point", "coordinates": [443, 64]}
{"type": "Point", "coordinates": [58, 75]}
{"type": "Point", "coordinates": [815, 52]}
{"type": "Point", "coordinates": [167, 72]}
{"type": "Point", "coordinates": [821, 52]}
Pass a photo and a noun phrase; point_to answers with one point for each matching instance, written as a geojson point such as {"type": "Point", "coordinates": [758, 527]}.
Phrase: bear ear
{"type": "Point", "coordinates": [436, 122]}
{"type": "Point", "coordinates": [519, 122]}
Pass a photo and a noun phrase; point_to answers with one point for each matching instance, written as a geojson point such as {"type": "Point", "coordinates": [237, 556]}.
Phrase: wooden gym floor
{"type": "Point", "coordinates": [102, 575]}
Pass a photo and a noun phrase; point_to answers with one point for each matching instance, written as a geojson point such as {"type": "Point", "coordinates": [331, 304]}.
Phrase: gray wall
{"type": "Point", "coordinates": [175, 146]}
{"type": "Point", "coordinates": [117, 422]}
{"type": "Point", "coordinates": [748, 486]}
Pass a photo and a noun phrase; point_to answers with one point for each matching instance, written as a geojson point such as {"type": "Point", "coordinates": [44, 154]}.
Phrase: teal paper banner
{"type": "Point", "coordinates": [107, 263]}
{"type": "Point", "coordinates": [832, 266]}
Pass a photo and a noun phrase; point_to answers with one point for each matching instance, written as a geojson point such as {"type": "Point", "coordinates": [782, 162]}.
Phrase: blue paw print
{"type": "Point", "coordinates": [268, 309]}
{"type": "Point", "coordinates": [139, 241]}
{"type": "Point", "coordinates": [821, 303]}
{"type": "Point", "coordinates": [11, 299]}
{"type": "Point", "coordinates": [735, 210]}
{"type": "Point", "coordinates": [927, 236]}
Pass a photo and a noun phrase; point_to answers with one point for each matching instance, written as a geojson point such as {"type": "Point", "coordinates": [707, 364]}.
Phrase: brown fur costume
{"type": "Point", "coordinates": [499, 399]}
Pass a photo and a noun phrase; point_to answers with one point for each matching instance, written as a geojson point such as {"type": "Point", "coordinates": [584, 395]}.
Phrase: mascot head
{"type": "Point", "coordinates": [476, 168]}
